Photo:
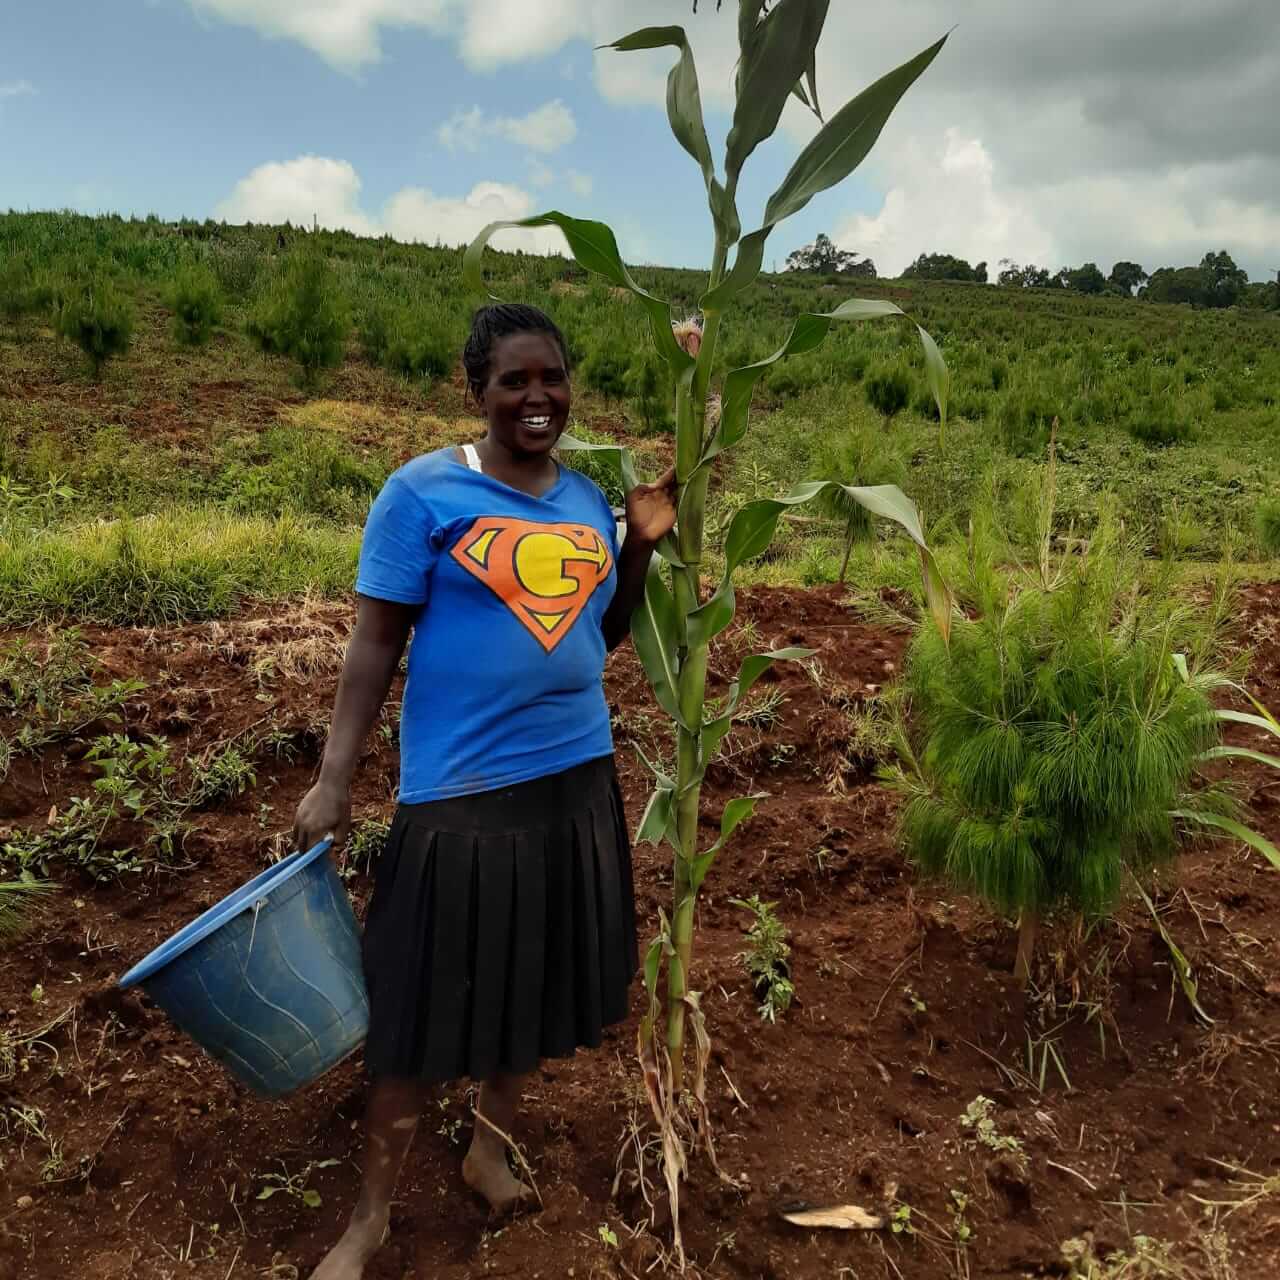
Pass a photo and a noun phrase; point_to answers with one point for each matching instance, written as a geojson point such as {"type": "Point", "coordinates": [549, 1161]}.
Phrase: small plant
{"type": "Point", "coordinates": [222, 773]}
{"type": "Point", "coordinates": [365, 845]}
{"type": "Point", "coordinates": [900, 1221]}
{"type": "Point", "coordinates": [98, 318]}
{"type": "Point", "coordinates": [136, 787]}
{"type": "Point", "coordinates": [766, 959]}
{"type": "Point", "coordinates": [888, 390]}
{"type": "Point", "coordinates": [295, 1184]}
{"type": "Point", "coordinates": [649, 386]}
{"type": "Point", "coordinates": [605, 370]}
{"type": "Point", "coordinates": [861, 458]}
{"type": "Point", "coordinates": [303, 314]}
{"type": "Point", "coordinates": [1267, 523]}
{"type": "Point", "coordinates": [1052, 740]}
{"type": "Point", "coordinates": [16, 898]}
{"type": "Point", "coordinates": [1160, 422]}
{"type": "Point", "coordinates": [608, 1236]}
{"type": "Point", "coordinates": [415, 342]}
{"type": "Point", "coordinates": [196, 302]}
{"type": "Point", "coordinates": [977, 1121]}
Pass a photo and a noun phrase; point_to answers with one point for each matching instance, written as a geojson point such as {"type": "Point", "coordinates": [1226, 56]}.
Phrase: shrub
{"type": "Point", "coordinates": [1267, 522]}
{"type": "Point", "coordinates": [196, 303]}
{"type": "Point", "coordinates": [413, 341]}
{"type": "Point", "coordinates": [237, 268]}
{"type": "Point", "coordinates": [888, 390]}
{"type": "Point", "coordinates": [303, 314]}
{"type": "Point", "coordinates": [1054, 737]}
{"type": "Point", "coordinates": [605, 370]}
{"type": "Point", "coordinates": [1024, 419]}
{"type": "Point", "coordinates": [1160, 421]}
{"type": "Point", "coordinates": [98, 318]}
{"type": "Point", "coordinates": [24, 288]}
{"type": "Point", "coordinates": [860, 458]}
{"type": "Point", "coordinates": [652, 392]}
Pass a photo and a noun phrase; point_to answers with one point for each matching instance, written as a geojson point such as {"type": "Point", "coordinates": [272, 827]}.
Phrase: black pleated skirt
{"type": "Point", "coordinates": [502, 928]}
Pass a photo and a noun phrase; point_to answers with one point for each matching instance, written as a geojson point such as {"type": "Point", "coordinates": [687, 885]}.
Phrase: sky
{"type": "Point", "coordinates": [1044, 132]}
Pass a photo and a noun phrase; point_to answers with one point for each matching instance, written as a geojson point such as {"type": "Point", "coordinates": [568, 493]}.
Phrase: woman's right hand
{"type": "Point", "coordinates": [325, 808]}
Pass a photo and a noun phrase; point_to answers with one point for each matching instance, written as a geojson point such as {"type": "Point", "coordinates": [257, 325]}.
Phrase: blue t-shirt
{"type": "Point", "coordinates": [505, 672]}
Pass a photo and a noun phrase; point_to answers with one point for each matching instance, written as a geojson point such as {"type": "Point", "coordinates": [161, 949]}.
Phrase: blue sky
{"type": "Point", "coordinates": [155, 108]}
{"type": "Point", "coordinates": [1043, 132]}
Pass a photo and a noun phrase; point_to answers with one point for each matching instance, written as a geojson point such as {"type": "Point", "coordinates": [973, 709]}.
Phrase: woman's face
{"type": "Point", "coordinates": [527, 396]}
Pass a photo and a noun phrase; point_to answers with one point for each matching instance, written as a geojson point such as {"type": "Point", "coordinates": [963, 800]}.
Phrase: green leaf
{"type": "Point", "coordinates": [652, 961]}
{"type": "Point", "coordinates": [684, 111]}
{"type": "Point", "coordinates": [1243, 717]}
{"type": "Point", "coordinates": [658, 815]}
{"type": "Point", "coordinates": [595, 248]}
{"type": "Point", "coordinates": [752, 668]}
{"type": "Point", "coordinates": [1243, 753]}
{"type": "Point", "coordinates": [616, 456]}
{"type": "Point", "coordinates": [1181, 965]}
{"type": "Point", "coordinates": [1252, 838]}
{"type": "Point", "coordinates": [775, 54]}
{"type": "Point", "coordinates": [842, 144]}
{"type": "Point", "coordinates": [266, 1193]}
{"type": "Point", "coordinates": [752, 529]}
{"type": "Point", "coordinates": [311, 1198]}
{"type": "Point", "coordinates": [835, 151]}
{"type": "Point", "coordinates": [735, 813]}
{"type": "Point", "coordinates": [655, 632]}
{"type": "Point", "coordinates": [807, 333]}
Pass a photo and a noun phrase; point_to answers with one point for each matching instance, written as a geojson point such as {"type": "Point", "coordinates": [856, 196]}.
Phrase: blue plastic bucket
{"type": "Point", "coordinates": [269, 981]}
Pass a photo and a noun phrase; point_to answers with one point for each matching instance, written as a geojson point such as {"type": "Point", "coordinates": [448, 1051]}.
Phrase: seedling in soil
{"type": "Point", "coordinates": [977, 1120]}
{"type": "Point", "coordinates": [364, 847]}
{"type": "Point", "coordinates": [220, 774]}
{"type": "Point", "coordinates": [900, 1221]}
{"type": "Point", "coordinates": [1052, 749]}
{"type": "Point", "coordinates": [675, 625]}
{"type": "Point", "coordinates": [607, 1235]}
{"type": "Point", "coordinates": [766, 959]}
{"type": "Point", "coordinates": [295, 1184]}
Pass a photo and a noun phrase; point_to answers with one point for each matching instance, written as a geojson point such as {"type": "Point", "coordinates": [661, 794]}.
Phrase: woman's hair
{"type": "Point", "coordinates": [500, 320]}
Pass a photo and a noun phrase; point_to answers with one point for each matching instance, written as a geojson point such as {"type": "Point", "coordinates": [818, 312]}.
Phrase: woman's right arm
{"type": "Point", "coordinates": [373, 653]}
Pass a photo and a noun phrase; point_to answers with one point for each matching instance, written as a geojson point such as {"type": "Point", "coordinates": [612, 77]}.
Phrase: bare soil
{"type": "Point", "coordinates": [905, 1013]}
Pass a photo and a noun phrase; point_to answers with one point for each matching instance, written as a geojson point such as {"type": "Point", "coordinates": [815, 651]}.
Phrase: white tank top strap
{"type": "Point", "coordinates": [472, 456]}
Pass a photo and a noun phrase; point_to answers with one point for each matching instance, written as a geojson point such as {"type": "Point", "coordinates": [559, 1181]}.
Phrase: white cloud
{"type": "Point", "coordinates": [581, 184]}
{"type": "Point", "coordinates": [16, 88]}
{"type": "Point", "coordinates": [546, 128]}
{"type": "Point", "coordinates": [945, 199]}
{"type": "Point", "coordinates": [345, 33]}
{"type": "Point", "coordinates": [329, 190]}
{"type": "Point", "coordinates": [416, 214]}
{"type": "Point", "coordinates": [298, 190]}
{"type": "Point", "coordinates": [1068, 138]}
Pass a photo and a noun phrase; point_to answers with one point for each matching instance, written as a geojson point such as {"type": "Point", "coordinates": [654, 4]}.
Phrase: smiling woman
{"type": "Point", "coordinates": [502, 926]}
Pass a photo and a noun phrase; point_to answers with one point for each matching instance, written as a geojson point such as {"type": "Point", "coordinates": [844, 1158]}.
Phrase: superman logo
{"type": "Point", "coordinates": [543, 573]}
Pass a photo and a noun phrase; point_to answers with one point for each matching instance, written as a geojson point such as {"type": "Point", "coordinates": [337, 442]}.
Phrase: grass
{"type": "Point", "coordinates": [193, 478]}
{"type": "Point", "coordinates": [199, 562]}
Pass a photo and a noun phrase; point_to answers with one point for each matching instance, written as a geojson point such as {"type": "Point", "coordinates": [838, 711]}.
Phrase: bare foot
{"type": "Point", "coordinates": [347, 1259]}
{"type": "Point", "coordinates": [490, 1177]}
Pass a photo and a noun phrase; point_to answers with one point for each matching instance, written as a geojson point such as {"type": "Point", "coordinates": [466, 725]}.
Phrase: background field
{"type": "Point", "coordinates": [177, 546]}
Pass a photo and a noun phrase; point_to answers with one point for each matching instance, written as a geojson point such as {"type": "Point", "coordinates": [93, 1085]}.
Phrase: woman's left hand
{"type": "Point", "coordinates": [651, 509]}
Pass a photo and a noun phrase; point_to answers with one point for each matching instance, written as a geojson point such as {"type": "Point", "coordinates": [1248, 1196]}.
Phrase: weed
{"type": "Point", "coordinates": [222, 773]}
{"type": "Point", "coordinates": [977, 1120]}
{"type": "Point", "coordinates": [294, 1184]}
{"type": "Point", "coordinates": [136, 788]}
{"type": "Point", "coordinates": [766, 958]}
{"type": "Point", "coordinates": [364, 846]}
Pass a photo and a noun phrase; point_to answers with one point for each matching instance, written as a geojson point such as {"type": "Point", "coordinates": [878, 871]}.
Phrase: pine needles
{"type": "Point", "coordinates": [16, 896]}
{"type": "Point", "coordinates": [1055, 738]}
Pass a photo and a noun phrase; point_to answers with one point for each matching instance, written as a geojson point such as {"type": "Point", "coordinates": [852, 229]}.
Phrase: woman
{"type": "Point", "coordinates": [501, 929]}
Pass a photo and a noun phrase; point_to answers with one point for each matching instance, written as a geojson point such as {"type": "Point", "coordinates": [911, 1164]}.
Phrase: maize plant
{"type": "Point", "coordinates": [675, 626]}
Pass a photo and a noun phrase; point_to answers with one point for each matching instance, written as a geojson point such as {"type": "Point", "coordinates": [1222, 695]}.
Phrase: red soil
{"type": "Point", "coordinates": [905, 1012]}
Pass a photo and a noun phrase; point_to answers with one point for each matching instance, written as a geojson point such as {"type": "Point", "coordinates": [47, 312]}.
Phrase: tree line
{"type": "Point", "coordinates": [1216, 282]}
